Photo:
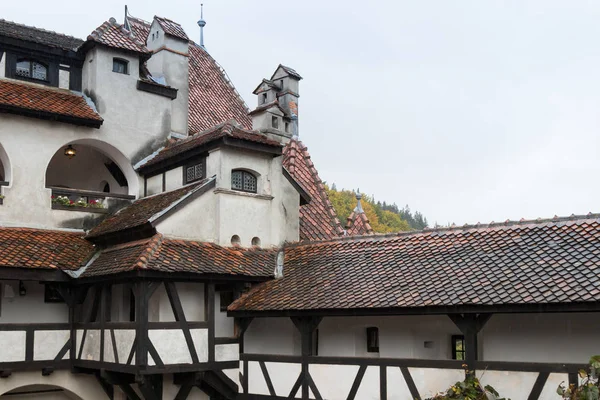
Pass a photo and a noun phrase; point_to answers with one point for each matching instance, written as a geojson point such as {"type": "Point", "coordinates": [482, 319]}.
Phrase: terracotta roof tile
{"type": "Point", "coordinates": [227, 129]}
{"type": "Point", "coordinates": [144, 211]}
{"type": "Point", "coordinates": [39, 248]}
{"type": "Point", "coordinates": [358, 224]}
{"type": "Point", "coordinates": [166, 255]}
{"type": "Point", "coordinates": [60, 104]}
{"type": "Point", "coordinates": [140, 28]}
{"type": "Point", "coordinates": [318, 220]}
{"type": "Point", "coordinates": [172, 28]}
{"type": "Point", "coordinates": [37, 35]}
{"type": "Point", "coordinates": [518, 263]}
{"type": "Point", "coordinates": [213, 98]}
{"type": "Point", "coordinates": [112, 34]}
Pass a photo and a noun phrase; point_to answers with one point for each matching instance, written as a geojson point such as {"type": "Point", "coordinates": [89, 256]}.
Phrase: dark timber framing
{"type": "Point", "coordinates": [383, 364]}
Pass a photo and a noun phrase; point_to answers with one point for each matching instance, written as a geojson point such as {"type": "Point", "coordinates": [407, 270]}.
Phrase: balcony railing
{"type": "Point", "coordinates": [83, 200]}
{"type": "Point", "coordinates": [34, 346]}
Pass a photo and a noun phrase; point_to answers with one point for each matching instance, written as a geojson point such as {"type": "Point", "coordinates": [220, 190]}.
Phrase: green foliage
{"type": "Point", "coordinates": [588, 389]}
{"type": "Point", "coordinates": [468, 389]}
{"type": "Point", "coordinates": [383, 218]}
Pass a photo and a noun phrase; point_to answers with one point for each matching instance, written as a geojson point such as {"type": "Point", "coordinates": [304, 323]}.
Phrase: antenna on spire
{"type": "Point", "coordinates": [202, 24]}
{"type": "Point", "coordinates": [125, 20]}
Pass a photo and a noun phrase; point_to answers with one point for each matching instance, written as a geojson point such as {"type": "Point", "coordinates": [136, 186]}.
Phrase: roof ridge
{"type": "Point", "coordinates": [455, 228]}
{"type": "Point", "coordinates": [152, 247]}
{"type": "Point", "coordinates": [41, 29]}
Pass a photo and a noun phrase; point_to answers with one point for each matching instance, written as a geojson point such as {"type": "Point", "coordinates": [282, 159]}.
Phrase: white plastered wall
{"type": "Point", "coordinates": [272, 336]}
{"type": "Point", "coordinates": [194, 221]}
{"type": "Point", "coordinates": [15, 308]}
{"type": "Point", "coordinates": [191, 295]}
{"type": "Point", "coordinates": [135, 123]}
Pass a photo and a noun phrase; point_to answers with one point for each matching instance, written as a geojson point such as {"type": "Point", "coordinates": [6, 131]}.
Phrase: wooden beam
{"type": "Point", "coordinates": [209, 303]}
{"type": "Point", "coordinates": [179, 314]}
{"type": "Point", "coordinates": [470, 325]}
{"type": "Point", "coordinates": [414, 392]}
{"type": "Point", "coordinates": [538, 386]}
{"type": "Point", "coordinates": [306, 326]}
{"type": "Point", "coordinates": [141, 319]}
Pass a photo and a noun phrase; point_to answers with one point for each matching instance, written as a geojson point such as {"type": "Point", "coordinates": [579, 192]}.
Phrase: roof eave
{"type": "Point", "coordinates": [50, 116]}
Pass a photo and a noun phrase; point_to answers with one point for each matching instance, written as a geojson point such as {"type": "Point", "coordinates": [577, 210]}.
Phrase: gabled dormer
{"type": "Point", "coordinates": [39, 56]}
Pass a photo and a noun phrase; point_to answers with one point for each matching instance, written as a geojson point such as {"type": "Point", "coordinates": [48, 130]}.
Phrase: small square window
{"type": "Point", "coordinates": [458, 347]}
{"type": "Point", "coordinates": [119, 66]}
{"type": "Point", "coordinates": [194, 172]}
{"type": "Point", "coordinates": [226, 298]}
{"type": "Point", "coordinates": [373, 339]}
{"type": "Point", "coordinates": [243, 181]}
{"type": "Point", "coordinates": [275, 122]}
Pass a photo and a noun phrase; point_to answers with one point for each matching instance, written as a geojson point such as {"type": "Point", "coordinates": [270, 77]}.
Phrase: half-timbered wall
{"type": "Point", "coordinates": [518, 355]}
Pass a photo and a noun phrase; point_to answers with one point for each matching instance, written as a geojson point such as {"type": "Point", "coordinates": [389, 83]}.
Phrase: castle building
{"type": "Point", "coordinates": [160, 240]}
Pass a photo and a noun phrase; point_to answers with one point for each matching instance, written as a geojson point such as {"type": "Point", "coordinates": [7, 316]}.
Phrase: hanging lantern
{"type": "Point", "coordinates": [70, 151]}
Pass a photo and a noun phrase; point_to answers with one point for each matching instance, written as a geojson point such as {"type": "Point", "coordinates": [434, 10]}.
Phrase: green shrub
{"type": "Point", "coordinates": [588, 388]}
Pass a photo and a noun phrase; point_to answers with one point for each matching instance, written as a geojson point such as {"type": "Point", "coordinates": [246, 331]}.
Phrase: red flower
{"type": "Point", "coordinates": [53, 197]}
{"type": "Point", "coordinates": [70, 201]}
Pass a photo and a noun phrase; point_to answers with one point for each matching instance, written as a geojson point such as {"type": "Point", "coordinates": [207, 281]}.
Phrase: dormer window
{"type": "Point", "coordinates": [275, 122]}
{"type": "Point", "coordinates": [194, 172]}
{"type": "Point", "coordinates": [263, 98]}
{"type": "Point", "coordinates": [243, 181]}
{"type": "Point", "coordinates": [120, 66]}
{"type": "Point", "coordinates": [31, 69]}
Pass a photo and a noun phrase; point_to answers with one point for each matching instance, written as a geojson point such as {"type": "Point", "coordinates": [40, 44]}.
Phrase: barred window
{"type": "Point", "coordinates": [31, 69]}
{"type": "Point", "coordinates": [194, 172]}
{"type": "Point", "coordinates": [243, 181]}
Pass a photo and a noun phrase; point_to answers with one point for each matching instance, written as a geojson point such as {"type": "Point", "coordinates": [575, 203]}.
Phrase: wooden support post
{"type": "Point", "coordinates": [240, 327]}
{"type": "Point", "coordinates": [102, 319]}
{"type": "Point", "coordinates": [306, 326]}
{"type": "Point", "coordinates": [209, 303]}
{"type": "Point", "coordinates": [470, 325]}
{"type": "Point", "coordinates": [141, 323]}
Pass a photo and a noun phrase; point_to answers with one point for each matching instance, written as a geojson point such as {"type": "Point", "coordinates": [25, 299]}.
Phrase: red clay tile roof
{"type": "Point", "coordinates": [39, 248]}
{"type": "Point", "coordinates": [227, 129]}
{"type": "Point", "coordinates": [213, 98]}
{"type": "Point", "coordinates": [165, 255]}
{"type": "Point", "coordinates": [112, 34]}
{"type": "Point", "coordinates": [147, 210]}
{"type": "Point", "coordinates": [318, 220]}
{"type": "Point", "coordinates": [52, 103]}
{"type": "Point", "coordinates": [529, 262]}
{"type": "Point", "coordinates": [358, 224]}
{"type": "Point", "coordinates": [172, 28]}
{"type": "Point", "coordinates": [40, 36]}
{"type": "Point", "coordinates": [140, 28]}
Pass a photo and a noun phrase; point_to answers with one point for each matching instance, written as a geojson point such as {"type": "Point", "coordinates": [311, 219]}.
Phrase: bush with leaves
{"type": "Point", "coordinates": [588, 388]}
{"type": "Point", "coordinates": [468, 389]}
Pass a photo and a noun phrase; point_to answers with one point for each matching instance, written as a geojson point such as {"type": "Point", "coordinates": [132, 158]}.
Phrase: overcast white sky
{"type": "Point", "coordinates": [465, 110]}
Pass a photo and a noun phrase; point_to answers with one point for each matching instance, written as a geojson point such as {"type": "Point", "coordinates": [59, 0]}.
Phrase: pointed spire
{"type": "Point", "coordinates": [202, 24]}
{"type": "Point", "coordinates": [125, 20]}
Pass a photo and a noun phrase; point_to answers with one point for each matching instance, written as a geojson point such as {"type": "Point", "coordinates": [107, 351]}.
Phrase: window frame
{"type": "Point", "coordinates": [122, 61]}
{"type": "Point", "coordinates": [453, 341]}
{"type": "Point", "coordinates": [244, 174]}
{"type": "Point", "coordinates": [372, 331]}
{"type": "Point", "coordinates": [31, 61]}
{"type": "Point", "coordinates": [194, 163]}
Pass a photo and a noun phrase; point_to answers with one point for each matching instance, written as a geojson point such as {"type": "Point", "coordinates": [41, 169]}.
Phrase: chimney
{"type": "Point", "coordinates": [276, 113]}
{"type": "Point", "coordinates": [169, 66]}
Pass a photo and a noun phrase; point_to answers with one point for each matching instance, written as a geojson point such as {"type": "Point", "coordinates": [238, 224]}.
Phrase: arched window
{"type": "Point", "coordinates": [243, 181]}
{"type": "Point", "coordinates": [31, 69]}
